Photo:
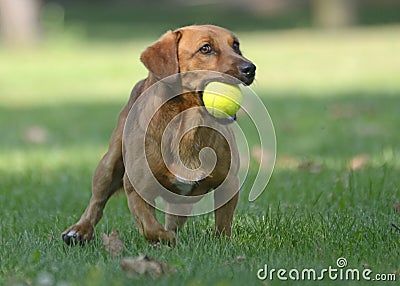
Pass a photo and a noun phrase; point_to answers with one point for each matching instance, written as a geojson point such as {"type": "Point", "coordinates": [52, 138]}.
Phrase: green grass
{"type": "Point", "coordinates": [331, 96]}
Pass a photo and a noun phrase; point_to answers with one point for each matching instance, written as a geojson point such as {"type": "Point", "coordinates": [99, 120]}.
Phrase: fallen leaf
{"type": "Point", "coordinates": [365, 265]}
{"type": "Point", "coordinates": [113, 243]}
{"type": "Point", "coordinates": [343, 112]}
{"type": "Point", "coordinates": [146, 265]}
{"type": "Point", "coordinates": [358, 162]}
{"type": "Point", "coordinates": [162, 245]}
{"type": "Point", "coordinates": [264, 157]}
{"type": "Point", "coordinates": [36, 135]}
{"type": "Point", "coordinates": [257, 153]}
{"type": "Point", "coordinates": [396, 207]}
{"type": "Point", "coordinates": [238, 259]}
{"type": "Point", "coordinates": [311, 167]}
{"type": "Point", "coordinates": [287, 162]}
{"type": "Point", "coordinates": [349, 111]}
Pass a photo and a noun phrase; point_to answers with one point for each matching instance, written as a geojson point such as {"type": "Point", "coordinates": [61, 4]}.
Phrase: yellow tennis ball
{"type": "Point", "coordinates": [222, 100]}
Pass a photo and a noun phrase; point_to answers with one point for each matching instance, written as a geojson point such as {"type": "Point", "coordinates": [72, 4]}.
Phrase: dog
{"type": "Point", "coordinates": [187, 49]}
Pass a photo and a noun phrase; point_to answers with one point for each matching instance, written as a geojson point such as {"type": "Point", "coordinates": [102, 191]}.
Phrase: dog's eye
{"type": "Point", "coordinates": [205, 49]}
{"type": "Point", "coordinates": [236, 47]}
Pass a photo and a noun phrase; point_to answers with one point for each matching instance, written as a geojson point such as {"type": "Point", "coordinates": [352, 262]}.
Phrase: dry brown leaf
{"type": "Point", "coordinates": [311, 167]}
{"type": "Point", "coordinates": [145, 265]}
{"type": "Point", "coordinates": [256, 153]}
{"type": "Point", "coordinates": [358, 162]}
{"type": "Point", "coordinates": [349, 111]}
{"type": "Point", "coordinates": [36, 135]}
{"type": "Point", "coordinates": [263, 157]}
{"type": "Point", "coordinates": [396, 207]}
{"type": "Point", "coordinates": [113, 243]}
{"type": "Point", "coordinates": [162, 245]}
{"type": "Point", "coordinates": [287, 162]}
{"type": "Point", "coordinates": [238, 259]}
{"type": "Point", "coordinates": [343, 112]}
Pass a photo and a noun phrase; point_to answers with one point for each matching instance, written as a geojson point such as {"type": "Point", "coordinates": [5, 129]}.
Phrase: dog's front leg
{"type": "Point", "coordinates": [145, 216]}
{"type": "Point", "coordinates": [174, 222]}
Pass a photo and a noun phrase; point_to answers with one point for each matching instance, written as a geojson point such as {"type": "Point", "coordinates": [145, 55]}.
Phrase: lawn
{"type": "Point", "coordinates": [334, 98]}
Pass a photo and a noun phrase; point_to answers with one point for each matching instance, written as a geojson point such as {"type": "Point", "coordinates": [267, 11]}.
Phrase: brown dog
{"type": "Point", "coordinates": [186, 49]}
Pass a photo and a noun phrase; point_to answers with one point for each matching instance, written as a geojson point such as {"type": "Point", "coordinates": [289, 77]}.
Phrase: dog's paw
{"type": "Point", "coordinates": [169, 237]}
{"type": "Point", "coordinates": [78, 234]}
{"type": "Point", "coordinates": [161, 236]}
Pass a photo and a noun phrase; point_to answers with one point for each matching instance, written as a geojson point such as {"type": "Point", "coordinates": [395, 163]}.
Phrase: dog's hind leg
{"type": "Point", "coordinates": [107, 179]}
{"type": "Point", "coordinates": [225, 200]}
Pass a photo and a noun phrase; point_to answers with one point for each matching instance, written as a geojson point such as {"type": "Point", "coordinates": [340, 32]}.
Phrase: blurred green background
{"type": "Point", "coordinates": [328, 72]}
{"type": "Point", "coordinates": [65, 62]}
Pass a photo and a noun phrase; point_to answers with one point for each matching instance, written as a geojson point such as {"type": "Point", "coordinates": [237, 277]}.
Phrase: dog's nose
{"type": "Point", "coordinates": [248, 69]}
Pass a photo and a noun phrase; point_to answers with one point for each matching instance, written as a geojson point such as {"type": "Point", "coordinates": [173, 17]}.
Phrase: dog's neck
{"type": "Point", "coordinates": [181, 120]}
{"type": "Point", "coordinates": [189, 138]}
{"type": "Point", "coordinates": [186, 137]}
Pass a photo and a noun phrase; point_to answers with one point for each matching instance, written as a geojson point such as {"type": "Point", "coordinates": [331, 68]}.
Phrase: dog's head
{"type": "Point", "coordinates": [193, 48]}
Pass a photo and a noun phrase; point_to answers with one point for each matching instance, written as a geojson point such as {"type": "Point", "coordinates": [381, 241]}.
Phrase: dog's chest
{"type": "Point", "coordinates": [185, 187]}
{"type": "Point", "coordinates": [199, 163]}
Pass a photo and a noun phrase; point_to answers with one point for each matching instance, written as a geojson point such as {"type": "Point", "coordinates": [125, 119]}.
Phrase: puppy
{"type": "Point", "coordinates": [135, 159]}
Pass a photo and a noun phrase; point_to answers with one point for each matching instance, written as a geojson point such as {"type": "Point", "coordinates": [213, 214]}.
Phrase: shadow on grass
{"type": "Point", "coordinates": [327, 131]}
{"type": "Point", "coordinates": [335, 127]}
{"type": "Point", "coordinates": [317, 130]}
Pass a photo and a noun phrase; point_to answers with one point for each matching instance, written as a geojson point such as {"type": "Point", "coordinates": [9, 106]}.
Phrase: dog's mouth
{"type": "Point", "coordinates": [228, 120]}
{"type": "Point", "coordinates": [228, 80]}
{"type": "Point", "coordinates": [223, 121]}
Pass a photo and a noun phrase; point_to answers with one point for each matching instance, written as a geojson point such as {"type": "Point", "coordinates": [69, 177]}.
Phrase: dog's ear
{"type": "Point", "coordinates": [161, 58]}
